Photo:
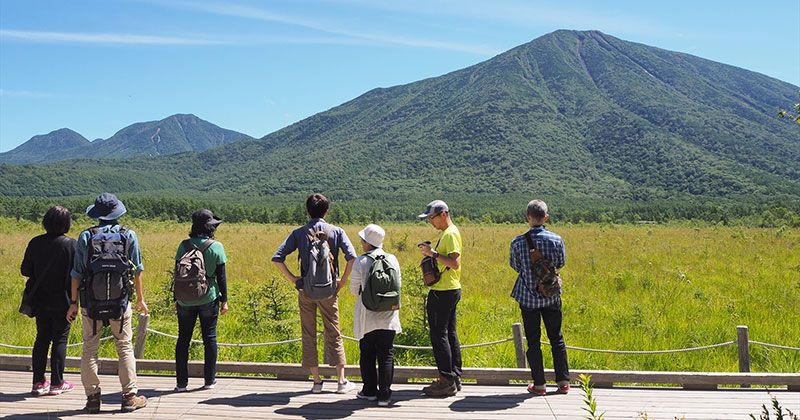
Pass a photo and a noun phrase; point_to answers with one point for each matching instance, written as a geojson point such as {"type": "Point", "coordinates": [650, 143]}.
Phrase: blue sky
{"type": "Point", "coordinates": [257, 66]}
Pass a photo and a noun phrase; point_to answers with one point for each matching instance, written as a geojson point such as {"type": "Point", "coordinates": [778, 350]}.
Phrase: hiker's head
{"type": "Point", "coordinates": [106, 207]}
{"type": "Point", "coordinates": [537, 213]}
{"type": "Point", "coordinates": [57, 220]}
{"type": "Point", "coordinates": [204, 223]}
{"type": "Point", "coordinates": [371, 237]}
{"type": "Point", "coordinates": [317, 206]}
{"type": "Point", "coordinates": [437, 213]}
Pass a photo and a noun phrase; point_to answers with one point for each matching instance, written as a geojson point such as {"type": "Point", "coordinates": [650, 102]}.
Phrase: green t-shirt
{"type": "Point", "coordinates": [213, 256]}
{"type": "Point", "coordinates": [449, 243]}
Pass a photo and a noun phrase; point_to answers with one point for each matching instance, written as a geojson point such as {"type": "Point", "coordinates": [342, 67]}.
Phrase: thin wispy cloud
{"type": "Point", "coordinates": [103, 38]}
{"type": "Point", "coordinates": [377, 38]}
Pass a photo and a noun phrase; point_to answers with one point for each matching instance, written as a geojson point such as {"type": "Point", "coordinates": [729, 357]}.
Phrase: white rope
{"type": "Point", "coordinates": [710, 346]}
{"type": "Point", "coordinates": [271, 343]}
{"type": "Point", "coordinates": [466, 346]}
{"type": "Point", "coordinates": [777, 346]}
{"type": "Point", "coordinates": [11, 346]}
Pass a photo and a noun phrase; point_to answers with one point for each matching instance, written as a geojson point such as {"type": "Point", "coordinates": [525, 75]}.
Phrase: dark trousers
{"type": "Point", "coordinates": [441, 307]}
{"type": "Point", "coordinates": [531, 320]}
{"type": "Point", "coordinates": [377, 344]}
{"type": "Point", "coordinates": [51, 327]}
{"type": "Point", "coordinates": [187, 317]}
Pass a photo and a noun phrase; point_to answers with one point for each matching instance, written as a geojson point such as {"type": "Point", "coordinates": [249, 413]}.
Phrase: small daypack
{"type": "Point", "coordinates": [381, 290]}
{"type": "Point", "coordinates": [106, 286]}
{"type": "Point", "coordinates": [189, 281]}
{"type": "Point", "coordinates": [319, 276]}
{"type": "Point", "coordinates": [543, 270]}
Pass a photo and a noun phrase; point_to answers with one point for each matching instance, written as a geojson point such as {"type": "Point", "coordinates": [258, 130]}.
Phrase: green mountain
{"type": "Point", "coordinates": [574, 114]}
{"type": "Point", "coordinates": [174, 134]}
{"type": "Point", "coordinates": [44, 147]}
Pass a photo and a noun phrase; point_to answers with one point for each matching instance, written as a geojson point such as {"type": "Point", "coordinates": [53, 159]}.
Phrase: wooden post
{"type": "Point", "coordinates": [141, 335]}
{"type": "Point", "coordinates": [743, 343]}
{"type": "Point", "coordinates": [519, 345]}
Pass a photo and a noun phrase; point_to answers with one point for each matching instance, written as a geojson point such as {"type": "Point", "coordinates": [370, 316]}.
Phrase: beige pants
{"type": "Point", "coordinates": [334, 345]}
{"type": "Point", "coordinates": [91, 344]}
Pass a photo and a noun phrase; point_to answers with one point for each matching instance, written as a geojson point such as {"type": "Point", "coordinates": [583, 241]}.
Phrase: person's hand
{"type": "Point", "coordinates": [223, 309]}
{"type": "Point", "coordinates": [425, 248]}
{"type": "Point", "coordinates": [72, 312]}
{"type": "Point", "coordinates": [142, 307]}
{"type": "Point", "coordinates": [339, 284]}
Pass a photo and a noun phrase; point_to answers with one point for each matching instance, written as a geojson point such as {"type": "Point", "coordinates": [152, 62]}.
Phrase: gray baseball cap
{"type": "Point", "coordinates": [434, 207]}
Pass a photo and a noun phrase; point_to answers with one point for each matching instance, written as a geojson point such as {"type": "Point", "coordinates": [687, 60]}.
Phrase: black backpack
{"type": "Point", "coordinates": [381, 290]}
{"type": "Point", "coordinates": [106, 287]}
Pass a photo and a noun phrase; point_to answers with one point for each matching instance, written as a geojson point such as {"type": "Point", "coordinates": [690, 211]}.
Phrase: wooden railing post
{"type": "Point", "coordinates": [519, 344]}
{"type": "Point", "coordinates": [743, 343]}
{"type": "Point", "coordinates": [141, 335]}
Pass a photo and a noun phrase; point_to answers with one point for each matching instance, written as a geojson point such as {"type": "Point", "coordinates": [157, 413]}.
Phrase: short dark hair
{"type": "Point", "coordinates": [537, 209]}
{"type": "Point", "coordinates": [317, 205]}
{"type": "Point", "coordinates": [57, 220]}
{"type": "Point", "coordinates": [202, 230]}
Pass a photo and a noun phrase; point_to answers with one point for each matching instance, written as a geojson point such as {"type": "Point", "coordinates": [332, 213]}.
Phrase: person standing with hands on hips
{"type": "Point", "coordinates": [443, 299]}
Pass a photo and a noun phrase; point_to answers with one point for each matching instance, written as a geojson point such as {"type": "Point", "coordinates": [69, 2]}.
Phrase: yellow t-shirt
{"type": "Point", "coordinates": [449, 243]}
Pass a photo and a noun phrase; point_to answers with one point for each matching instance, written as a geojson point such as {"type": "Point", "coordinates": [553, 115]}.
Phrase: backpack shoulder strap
{"type": "Point", "coordinates": [202, 248]}
{"type": "Point", "coordinates": [186, 245]}
{"type": "Point", "coordinates": [528, 238]}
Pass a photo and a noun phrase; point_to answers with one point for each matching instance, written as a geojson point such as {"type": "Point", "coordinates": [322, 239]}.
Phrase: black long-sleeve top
{"type": "Point", "coordinates": [49, 258]}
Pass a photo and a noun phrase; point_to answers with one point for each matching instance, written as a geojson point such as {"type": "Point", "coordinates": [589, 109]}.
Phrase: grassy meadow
{"type": "Point", "coordinates": [642, 287]}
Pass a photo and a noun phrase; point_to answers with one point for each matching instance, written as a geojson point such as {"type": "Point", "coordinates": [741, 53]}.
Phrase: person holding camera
{"type": "Point", "coordinates": [443, 299]}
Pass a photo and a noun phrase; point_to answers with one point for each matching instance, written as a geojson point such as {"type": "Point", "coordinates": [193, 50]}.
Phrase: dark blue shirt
{"type": "Point", "coordinates": [298, 240]}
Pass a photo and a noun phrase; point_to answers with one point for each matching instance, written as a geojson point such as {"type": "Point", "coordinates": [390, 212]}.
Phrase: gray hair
{"type": "Point", "coordinates": [537, 209]}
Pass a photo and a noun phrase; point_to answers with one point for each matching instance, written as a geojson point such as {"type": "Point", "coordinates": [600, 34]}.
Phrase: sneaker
{"type": "Point", "coordinates": [132, 402]}
{"type": "Point", "coordinates": [40, 388]}
{"type": "Point", "coordinates": [181, 389]}
{"type": "Point", "coordinates": [92, 404]}
{"type": "Point", "coordinates": [345, 387]}
{"type": "Point", "coordinates": [537, 389]}
{"type": "Point", "coordinates": [212, 385]}
{"type": "Point", "coordinates": [317, 387]}
{"type": "Point", "coordinates": [60, 389]}
{"type": "Point", "coordinates": [442, 388]}
{"type": "Point", "coordinates": [563, 387]}
{"type": "Point", "coordinates": [361, 396]}
{"type": "Point", "coordinates": [458, 383]}
{"type": "Point", "coordinates": [384, 403]}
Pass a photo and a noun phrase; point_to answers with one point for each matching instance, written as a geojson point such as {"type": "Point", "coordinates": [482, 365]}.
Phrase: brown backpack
{"type": "Point", "coordinates": [549, 280]}
{"type": "Point", "coordinates": [189, 282]}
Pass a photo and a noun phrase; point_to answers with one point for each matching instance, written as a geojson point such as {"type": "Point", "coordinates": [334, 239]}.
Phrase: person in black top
{"type": "Point", "coordinates": [48, 261]}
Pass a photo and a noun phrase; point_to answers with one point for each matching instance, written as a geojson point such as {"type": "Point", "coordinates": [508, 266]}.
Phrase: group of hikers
{"type": "Point", "coordinates": [93, 275]}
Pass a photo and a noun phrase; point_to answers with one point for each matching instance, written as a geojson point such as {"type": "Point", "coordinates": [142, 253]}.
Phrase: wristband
{"type": "Point", "coordinates": [435, 254]}
{"type": "Point", "coordinates": [73, 302]}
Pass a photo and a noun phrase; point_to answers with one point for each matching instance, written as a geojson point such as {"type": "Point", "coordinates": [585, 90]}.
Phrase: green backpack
{"type": "Point", "coordinates": [381, 291]}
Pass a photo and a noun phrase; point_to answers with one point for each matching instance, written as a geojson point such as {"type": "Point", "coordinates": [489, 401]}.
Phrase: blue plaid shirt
{"type": "Point", "coordinates": [552, 248]}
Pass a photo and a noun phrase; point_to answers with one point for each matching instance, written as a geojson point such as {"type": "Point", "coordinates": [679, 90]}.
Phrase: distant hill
{"type": "Point", "coordinates": [175, 134]}
{"type": "Point", "coordinates": [45, 147]}
{"type": "Point", "coordinates": [577, 114]}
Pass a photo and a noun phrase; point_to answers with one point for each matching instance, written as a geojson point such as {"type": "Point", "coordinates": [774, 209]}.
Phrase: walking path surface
{"type": "Point", "coordinates": [282, 399]}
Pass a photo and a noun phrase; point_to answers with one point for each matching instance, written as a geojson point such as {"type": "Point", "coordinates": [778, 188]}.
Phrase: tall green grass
{"type": "Point", "coordinates": [625, 287]}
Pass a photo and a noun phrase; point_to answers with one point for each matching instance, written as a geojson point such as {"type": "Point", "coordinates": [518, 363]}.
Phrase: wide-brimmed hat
{"type": "Point", "coordinates": [373, 234]}
{"type": "Point", "coordinates": [434, 207]}
{"type": "Point", "coordinates": [205, 217]}
{"type": "Point", "coordinates": [106, 207]}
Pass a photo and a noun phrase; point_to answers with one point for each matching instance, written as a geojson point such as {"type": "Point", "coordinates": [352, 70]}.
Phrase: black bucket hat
{"type": "Point", "coordinates": [205, 218]}
{"type": "Point", "coordinates": [106, 207]}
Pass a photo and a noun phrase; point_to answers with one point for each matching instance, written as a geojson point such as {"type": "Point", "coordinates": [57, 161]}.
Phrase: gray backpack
{"type": "Point", "coordinates": [189, 281]}
{"type": "Point", "coordinates": [319, 277]}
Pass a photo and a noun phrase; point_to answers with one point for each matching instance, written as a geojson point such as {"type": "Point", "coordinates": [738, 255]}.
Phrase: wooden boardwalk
{"type": "Point", "coordinates": [282, 399]}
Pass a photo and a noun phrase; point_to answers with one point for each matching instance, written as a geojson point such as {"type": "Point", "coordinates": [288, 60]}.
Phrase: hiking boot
{"type": "Point", "coordinates": [384, 403]}
{"type": "Point", "coordinates": [40, 388]}
{"type": "Point", "coordinates": [181, 389]}
{"type": "Point", "coordinates": [563, 387]}
{"type": "Point", "coordinates": [539, 390]}
{"type": "Point", "coordinates": [345, 387]}
{"type": "Point", "coordinates": [92, 404]}
{"type": "Point", "coordinates": [212, 385]}
{"type": "Point", "coordinates": [60, 389]}
{"type": "Point", "coordinates": [441, 388]}
{"type": "Point", "coordinates": [458, 383]}
{"type": "Point", "coordinates": [361, 396]}
{"type": "Point", "coordinates": [132, 402]}
{"type": "Point", "coordinates": [316, 388]}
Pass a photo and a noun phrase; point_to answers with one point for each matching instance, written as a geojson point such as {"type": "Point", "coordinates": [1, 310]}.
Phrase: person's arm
{"type": "Point", "coordinates": [279, 259]}
{"type": "Point", "coordinates": [562, 256]}
{"type": "Point", "coordinates": [72, 312]}
{"type": "Point", "coordinates": [78, 267]}
{"type": "Point", "coordinates": [451, 260]}
{"type": "Point", "coordinates": [349, 255]}
{"type": "Point", "coordinates": [355, 279]}
{"type": "Point", "coordinates": [347, 269]}
{"type": "Point", "coordinates": [513, 261]}
{"type": "Point", "coordinates": [26, 267]}
{"type": "Point", "coordinates": [222, 283]}
{"type": "Point", "coordinates": [135, 255]}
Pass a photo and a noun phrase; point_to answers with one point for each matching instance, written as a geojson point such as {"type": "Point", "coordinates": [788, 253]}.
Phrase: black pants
{"type": "Point", "coordinates": [441, 308]}
{"type": "Point", "coordinates": [531, 320]}
{"type": "Point", "coordinates": [187, 317]}
{"type": "Point", "coordinates": [51, 327]}
{"type": "Point", "coordinates": [374, 345]}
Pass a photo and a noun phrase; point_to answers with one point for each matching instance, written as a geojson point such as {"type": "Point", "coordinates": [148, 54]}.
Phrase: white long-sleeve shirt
{"type": "Point", "coordinates": [365, 320]}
